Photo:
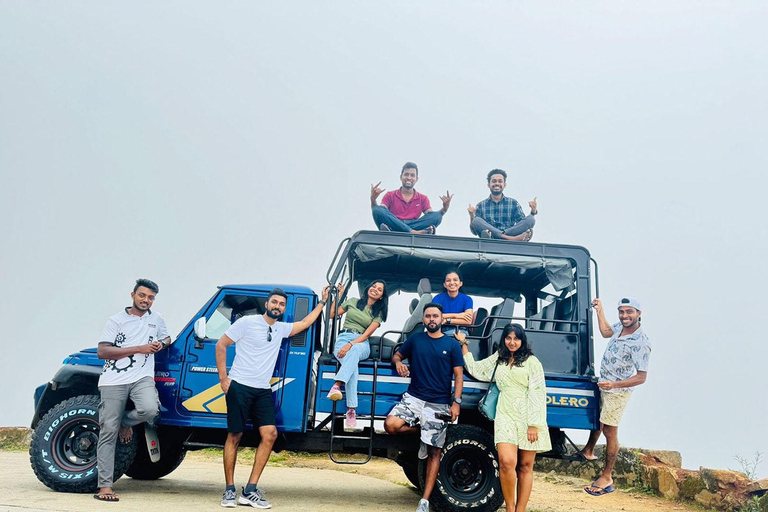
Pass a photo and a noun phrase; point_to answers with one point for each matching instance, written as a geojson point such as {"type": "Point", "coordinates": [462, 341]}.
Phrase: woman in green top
{"type": "Point", "coordinates": [363, 317]}
{"type": "Point", "coordinates": [520, 428]}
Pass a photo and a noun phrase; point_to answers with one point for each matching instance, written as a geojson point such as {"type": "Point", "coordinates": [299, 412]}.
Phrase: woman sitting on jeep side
{"type": "Point", "coordinates": [364, 316]}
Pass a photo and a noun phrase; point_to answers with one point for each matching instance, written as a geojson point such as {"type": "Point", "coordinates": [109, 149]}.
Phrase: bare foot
{"type": "Point", "coordinates": [588, 455]}
{"type": "Point", "coordinates": [419, 232]}
{"type": "Point", "coordinates": [126, 434]}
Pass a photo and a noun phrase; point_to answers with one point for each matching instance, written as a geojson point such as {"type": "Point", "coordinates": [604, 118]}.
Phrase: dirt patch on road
{"type": "Point", "coordinates": [551, 493]}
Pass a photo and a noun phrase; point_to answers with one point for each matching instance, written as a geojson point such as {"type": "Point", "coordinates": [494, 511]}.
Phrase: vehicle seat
{"type": "Point", "coordinates": [547, 313]}
{"type": "Point", "coordinates": [424, 289]}
{"type": "Point", "coordinates": [496, 327]}
{"type": "Point", "coordinates": [479, 316]}
{"type": "Point", "coordinates": [566, 310]}
{"type": "Point", "coordinates": [387, 348]}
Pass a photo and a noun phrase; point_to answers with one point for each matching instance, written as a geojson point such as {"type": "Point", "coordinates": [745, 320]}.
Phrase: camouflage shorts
{"type": "Point", "coordinates": [418, 412]}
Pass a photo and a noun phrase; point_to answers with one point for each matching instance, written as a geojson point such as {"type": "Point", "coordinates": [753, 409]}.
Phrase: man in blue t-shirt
{"type": "Point", "coordinates": [435, 361]}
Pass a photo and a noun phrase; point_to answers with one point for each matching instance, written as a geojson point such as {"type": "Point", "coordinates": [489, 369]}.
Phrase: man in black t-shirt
{"type": "Point", "coordinates": [435, 361]}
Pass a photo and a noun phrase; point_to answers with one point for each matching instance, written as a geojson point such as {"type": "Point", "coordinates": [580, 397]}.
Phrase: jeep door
{"type": "Point", "coordinates": [200, 395]}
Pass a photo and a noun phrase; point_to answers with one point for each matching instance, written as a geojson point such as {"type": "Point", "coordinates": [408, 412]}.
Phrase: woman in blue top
{"type": "Point", "coordinates": [364, 316]}
{"type": "Point", "coordinates": [457, 306]}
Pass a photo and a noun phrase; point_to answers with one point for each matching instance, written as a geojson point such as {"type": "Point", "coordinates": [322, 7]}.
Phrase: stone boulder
{"type": "Point", "coordinates": [668, 457]}
{"type": "Point", "coordinates": [728, 487]}
{"type": "Point", "coordinates": [758, 487]}
{"type": "Point", "coordinates": [15, 438]}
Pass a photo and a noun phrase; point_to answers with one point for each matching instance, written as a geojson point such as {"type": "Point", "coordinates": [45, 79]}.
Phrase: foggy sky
{"type": "Point", "coordinates": [199, 144]}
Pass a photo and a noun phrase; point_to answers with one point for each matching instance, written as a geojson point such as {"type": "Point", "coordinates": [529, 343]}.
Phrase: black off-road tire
{"type": "Point", "coordinates": [172, 453]}
{"type": "Point", "coordinates": [63, 448]}
{"type": "Point", "coordinates": [469, 472]}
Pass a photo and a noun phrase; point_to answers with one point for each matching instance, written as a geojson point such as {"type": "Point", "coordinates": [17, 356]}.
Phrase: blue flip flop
{"type": "Point", "coordinates": [601, 491]}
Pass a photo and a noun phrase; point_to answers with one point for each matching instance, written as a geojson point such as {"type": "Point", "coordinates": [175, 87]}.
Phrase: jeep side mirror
{"type": "Point", "coordinates": [199, 331]}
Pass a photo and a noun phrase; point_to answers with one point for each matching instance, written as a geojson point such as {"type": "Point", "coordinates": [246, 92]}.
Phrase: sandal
{"type": "Point", "coordinates": [110, 497]}
{"type": "Point", "coordinates": [594, 490]}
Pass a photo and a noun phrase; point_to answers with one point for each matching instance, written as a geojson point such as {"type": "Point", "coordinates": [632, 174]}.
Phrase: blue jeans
{"type": "Point", "coordinates": [382, 215]}
{"type": "Point", "coordinates": [479, 225]}
{"type": "Point", "coordinates": [348, 372]}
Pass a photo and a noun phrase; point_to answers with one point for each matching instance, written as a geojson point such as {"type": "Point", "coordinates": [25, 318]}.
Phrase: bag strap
{"type": "Point", "coordinates": [493, 375]}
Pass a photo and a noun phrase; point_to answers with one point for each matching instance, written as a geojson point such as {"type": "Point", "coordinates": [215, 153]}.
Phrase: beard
{"type": "Point", "coordinates": [433, 328]}
{"type": "Point", "coordinates": [271, 314]}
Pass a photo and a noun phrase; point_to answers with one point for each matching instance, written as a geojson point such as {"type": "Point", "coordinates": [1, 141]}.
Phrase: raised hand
{"type": "Point", "coordinates": [325, 293]}
{"type": "Point", "coordinates": [446, 199]}
{"type": "Point", "coordinates": [534, 206]}
{"type": "Point", "coordinates": [597, 304]}
{"type": "Point", "coordinates": [472, 209]}
{"type": "Point", "coordinates": [460, 336]}
{"type": "Point", "coordinates": [376, 191]}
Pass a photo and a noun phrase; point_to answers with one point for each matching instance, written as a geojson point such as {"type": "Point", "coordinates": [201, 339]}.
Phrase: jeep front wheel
{"type": "Point", "coordinates": [469, 472]}
{"type": "Point", "coordinates": [63, 448]}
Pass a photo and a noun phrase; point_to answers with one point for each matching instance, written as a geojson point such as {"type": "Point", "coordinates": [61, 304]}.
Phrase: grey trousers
{"type": "Point", "coordinates": [479, 225]}
{"type": "Point", "coordinates": [112, 415]}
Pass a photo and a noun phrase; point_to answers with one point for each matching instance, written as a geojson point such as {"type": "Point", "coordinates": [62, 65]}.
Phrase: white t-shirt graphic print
{"type": "Point", "coordinates": [126, 330]}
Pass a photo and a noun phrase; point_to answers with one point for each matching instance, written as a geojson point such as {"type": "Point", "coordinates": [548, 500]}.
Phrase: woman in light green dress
{"type": "Point", "coordinates": [520, 428]}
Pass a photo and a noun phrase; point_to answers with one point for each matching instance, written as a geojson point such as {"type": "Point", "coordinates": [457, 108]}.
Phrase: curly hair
{"type": "Point", "coordinates": [521, 354]}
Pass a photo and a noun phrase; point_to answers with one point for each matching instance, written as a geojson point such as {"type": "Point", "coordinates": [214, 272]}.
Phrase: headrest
{"type": "Point", "coordinates": [424, 287]}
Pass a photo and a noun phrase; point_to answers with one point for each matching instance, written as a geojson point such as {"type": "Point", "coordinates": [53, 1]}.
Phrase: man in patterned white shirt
{"type": "Point", "coordinates": [128, 345]}
{"type": "Point", "coordinates": [624, 366]}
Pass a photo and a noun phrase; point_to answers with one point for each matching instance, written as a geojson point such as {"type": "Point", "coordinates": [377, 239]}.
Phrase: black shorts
{"type": "Point", "coordinates": [245, 402]}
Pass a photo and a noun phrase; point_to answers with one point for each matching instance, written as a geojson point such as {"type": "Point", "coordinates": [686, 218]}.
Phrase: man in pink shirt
{"type": "Point", "coordinates": [405, 210]}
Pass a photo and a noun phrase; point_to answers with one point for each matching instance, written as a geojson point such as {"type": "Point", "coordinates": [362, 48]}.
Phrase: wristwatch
{"type": "Point", "coordinates": [322, 302]}
{"type": "Point", "coordinates": [447, 321]}
{"type": "Point", "coordinates": [457, 400]}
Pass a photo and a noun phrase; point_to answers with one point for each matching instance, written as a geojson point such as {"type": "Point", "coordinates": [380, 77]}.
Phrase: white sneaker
{"type": "Point", "coordinates": [423, 506]}
{"type": "Point", "coordinates": [255, 499]}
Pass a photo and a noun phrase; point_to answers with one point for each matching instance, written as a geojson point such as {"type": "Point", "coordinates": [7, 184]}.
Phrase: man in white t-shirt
{"type": "Point", "coordinates": [249, 394]}
{"type": "Point", "coordinates": [128, 344]}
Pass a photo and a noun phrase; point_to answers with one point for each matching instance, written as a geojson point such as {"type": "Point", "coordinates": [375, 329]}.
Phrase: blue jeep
{"type": "Point", "coordinates": [546, 287]}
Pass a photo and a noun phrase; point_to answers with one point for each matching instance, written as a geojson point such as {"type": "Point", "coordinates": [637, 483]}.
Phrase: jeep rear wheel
{"type": "Point", "coordinates": [469, 472]}
{"type": "Point", "coordinates": [172, 453]}
{"type": "Point", "coordinates": [63, 448]}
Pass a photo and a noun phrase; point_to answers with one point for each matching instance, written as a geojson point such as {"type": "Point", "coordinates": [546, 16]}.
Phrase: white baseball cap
{"type": "Point", "coordinates": [631, 302]}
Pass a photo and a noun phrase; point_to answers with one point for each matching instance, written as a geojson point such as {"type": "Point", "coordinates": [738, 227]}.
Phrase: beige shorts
{"type": "Point", "coordinates": [612, 406]}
